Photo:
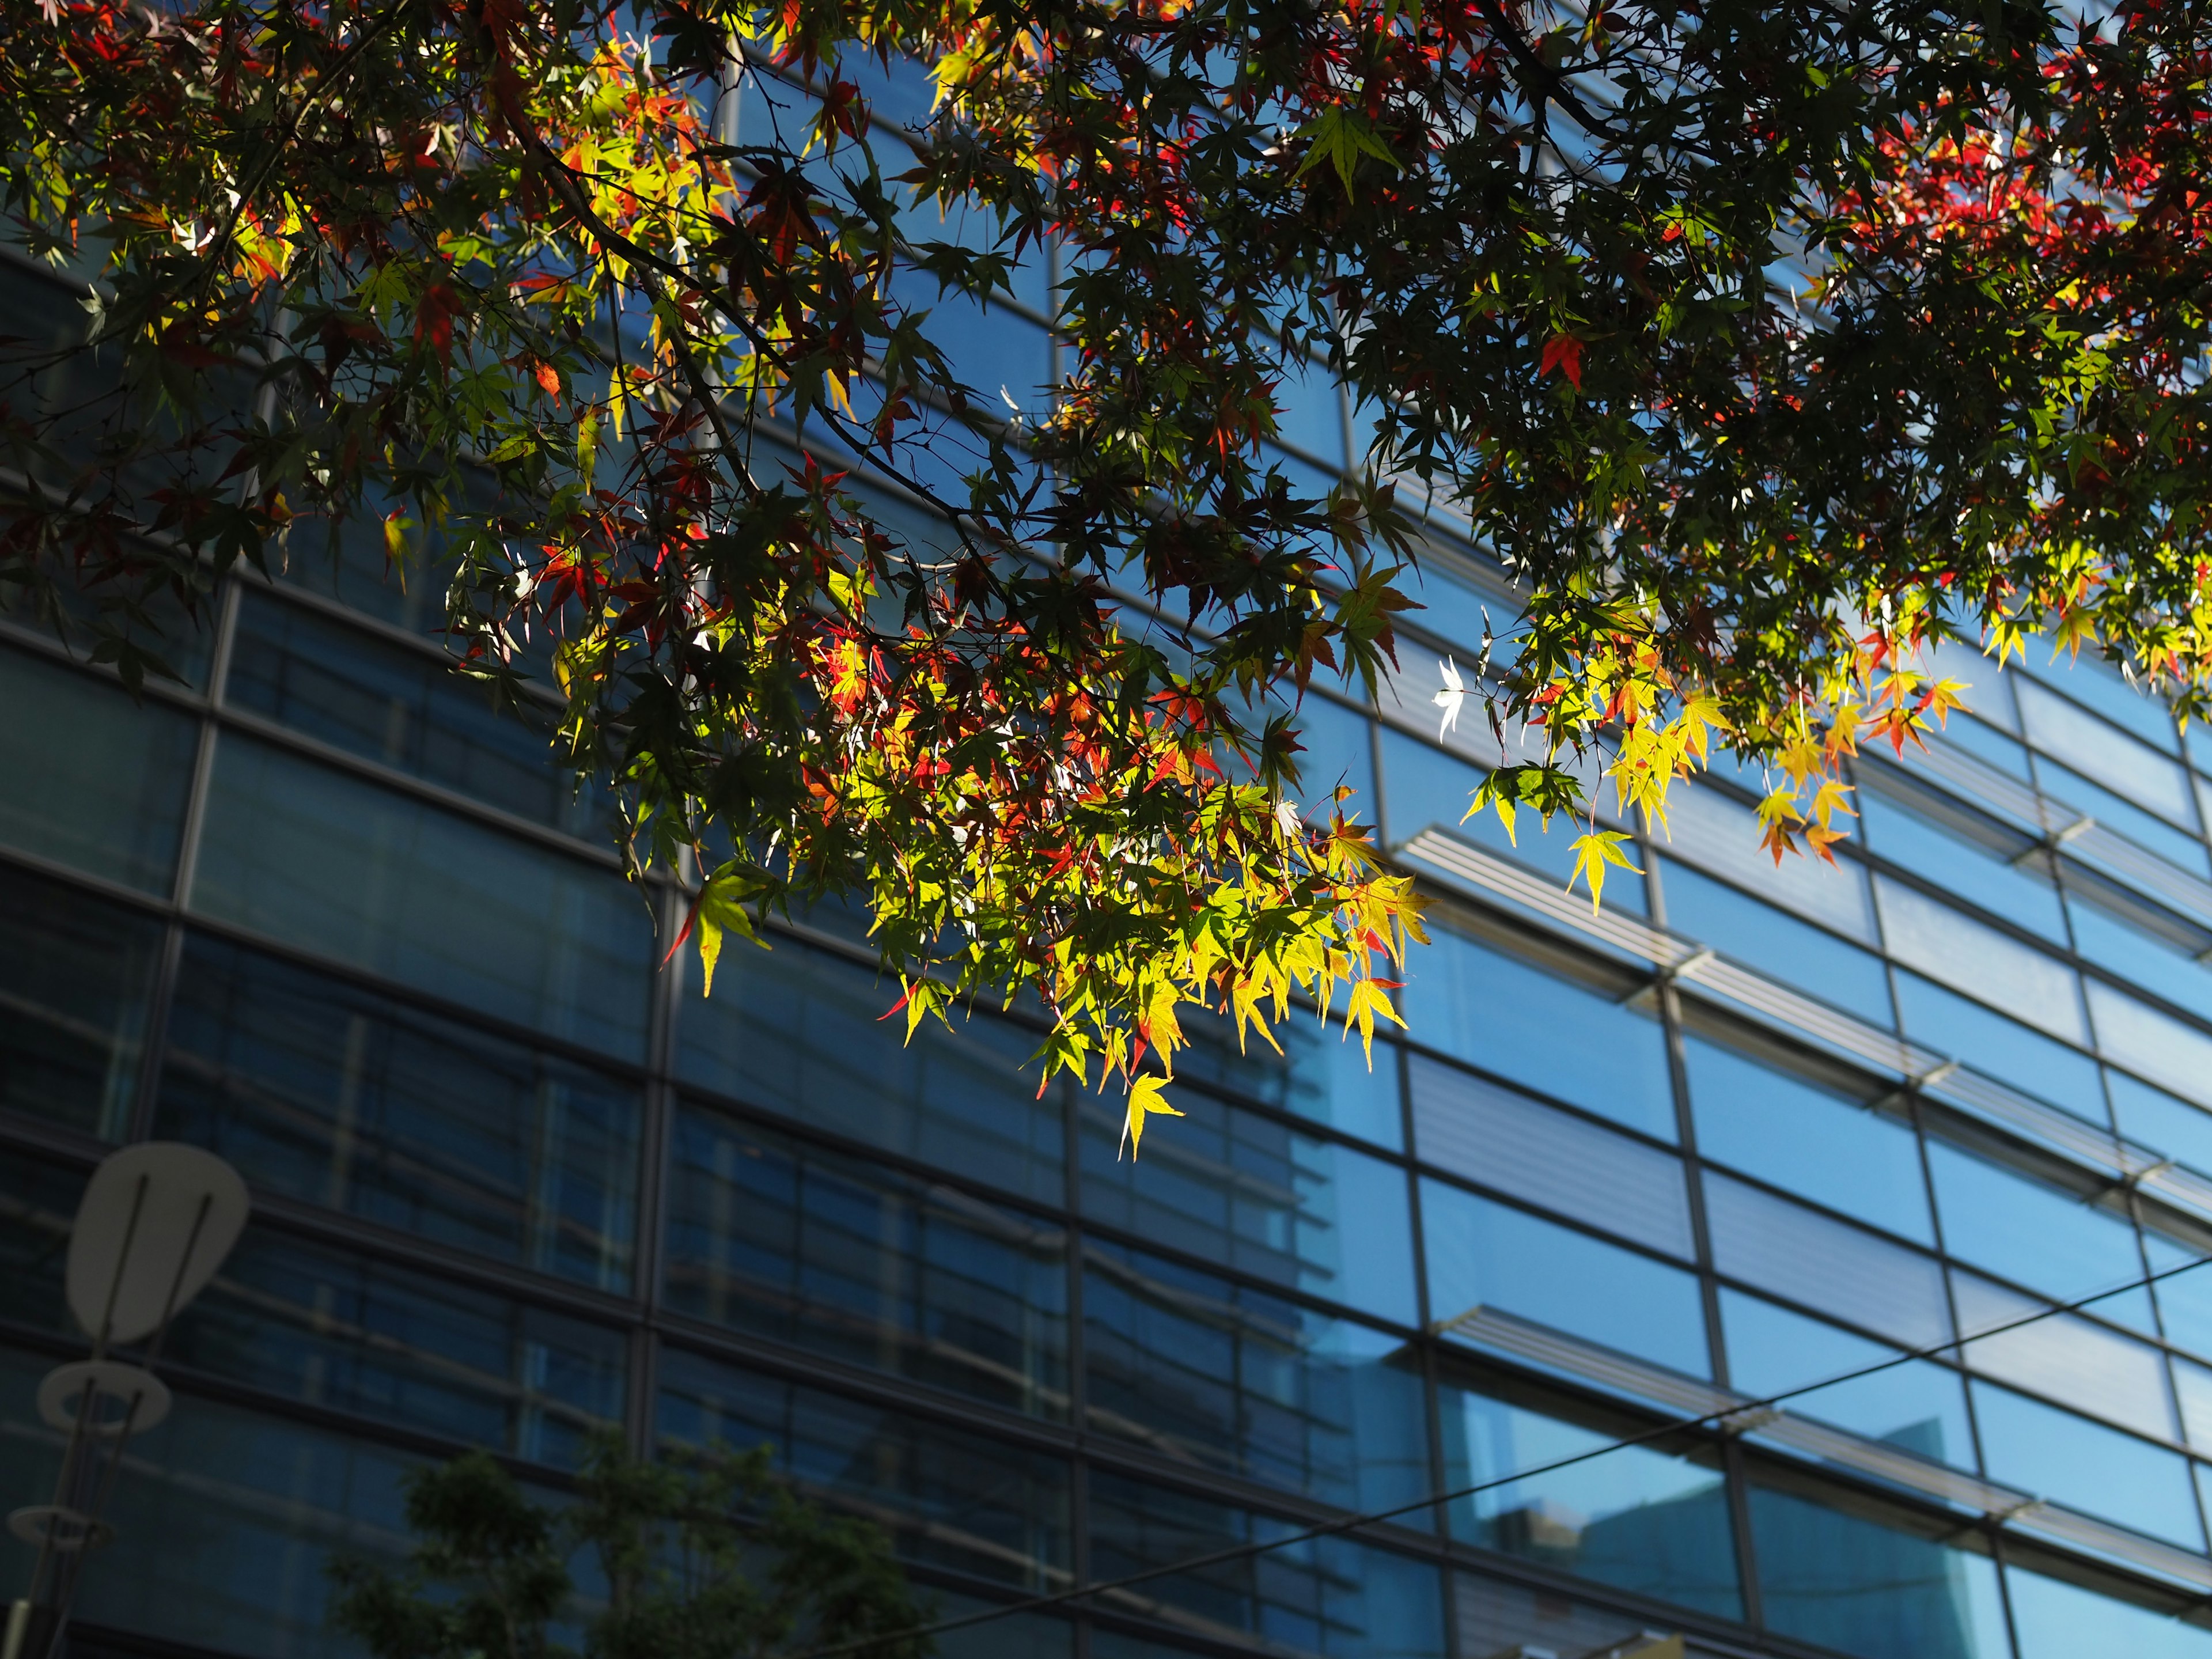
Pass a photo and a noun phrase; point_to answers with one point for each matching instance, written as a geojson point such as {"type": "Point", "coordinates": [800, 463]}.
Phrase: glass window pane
{"type": "Point", "coordinates": [1644, 1518]}
{"type": "Point", "coordinates": [1781, 1129]}
{"type": "Point", "coordinates": [2053, 1453]}
{"type": "Point", "coordinates": [1919, 1405]}
{"type": "Point", "coordinates": [2120, 812]}
{"type": "Point", "coordinates": [1759, 936]}
{"type": "Point", "coordinates": [1424, 787]}
{"type": "Point", "coordinates": [1218, 1376]}
{"type": "Point", "coordinates": [874, 1267]}
{"type": "Point", "coordinates": [2058, 1620]}
{"type": "Point", "coordinates": [2039, 1235]}
{"type": "Point", "coordinates": [2005, 1050]}
{"type": "Point", "coordinates": [37, 1207]}
{"type": "Point", "coordinates": [2149, 959]}
{"type": "Point", "coordinates": [226, 1521]}
{"type": "Point", "coordinates": [1541, 1155]}
{"type": "Point", "coordinates": [2070, 1358]}
{"type": "Point", "coordinates": [1312, 413]}
{"type": "Point", "coordinates": [1794, 1252]}
{"type": "Point", "coordinates": [977, 1505]}
{"type": "Point", "coordinates": [1338, 749]}
{"type": "Point", "coordinates": [2158, 1046]}
{"type": "Point", "coordinates": [1946, 944]}
{"type": "Point", "coordinates": [340, 1096]}
{"type": "Point", "coordinates": [345, 559]}
{"type": "Point", "coordinates": [1720, 833]}
{"type": "Point", "coordinates": [2184, 1303]}
{"type": "Point", "coordinates": [800, 1032]}
{"type": "Point", "coordinates": [996, 353]}
{"type": "Point", "coordinates": [404, 708]}
{"type": "Point", "coordinates": [95, 780]}
{"type": "Point", "coordinates": [2111, 758]}
{"type": "Point", "coordinates": [1857, 1583]}
{"type": "Point", "coordinates": [76, 976]}
{"type": "Point", "coordinates": [1233, 1188]}
{"type": "Point", "coordinates": [1482, 1254]}
{"type": "Point", "coordinates": [2150, 1117]}
{"type": "Point", "coordinates": [1329, 1595]}
{"type": "Point", "coordinates": [330, 864]}
{"type": "Point", "coordinates": [1320, 1075]}
{"type": "Point", "coordinates": [2017, 892]}
{"type": "Point", "coordinates": [1510, 1017]}
{"type": "Point", "coordinates": [339, 1330]}
{"type": "Point", "coordinates": [1501, 1618]}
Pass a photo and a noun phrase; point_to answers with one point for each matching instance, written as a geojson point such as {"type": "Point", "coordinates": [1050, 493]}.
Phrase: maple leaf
{"type": "Point", "coordinates": [1145, 1099]}
{"type": "Point", "coordinates": [1564, 353]}
{"type": "Point", "coordinates": [1341, 134]}
{"type": "Point", "coordinates": [1594, 852]}
{"type": "Point", "coordinates": [1450, 698]}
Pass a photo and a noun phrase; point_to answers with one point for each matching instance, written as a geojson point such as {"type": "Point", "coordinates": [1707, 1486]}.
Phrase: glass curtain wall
{"type": "Point", "coordinates": [319, 907]}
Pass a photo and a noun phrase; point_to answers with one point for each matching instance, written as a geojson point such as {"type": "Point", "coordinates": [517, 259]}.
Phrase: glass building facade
{"type": "Point", "coordinates": [318, 907]}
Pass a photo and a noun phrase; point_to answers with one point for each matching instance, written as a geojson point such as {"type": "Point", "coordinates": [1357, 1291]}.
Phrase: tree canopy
{"type": "Point", "coordinates": [1760, 342]}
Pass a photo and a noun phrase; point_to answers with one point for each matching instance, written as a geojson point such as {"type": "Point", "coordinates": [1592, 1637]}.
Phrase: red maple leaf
{"type": "Point", "coordinates": [1563, 351]}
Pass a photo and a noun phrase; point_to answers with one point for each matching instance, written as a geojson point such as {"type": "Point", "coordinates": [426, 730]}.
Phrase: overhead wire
{"type": "Point", "coordinates": [1341, 1524]}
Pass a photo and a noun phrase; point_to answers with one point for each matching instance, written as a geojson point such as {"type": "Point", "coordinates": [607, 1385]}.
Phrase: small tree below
{"type": "Point", "coordinates": [706, 1556]}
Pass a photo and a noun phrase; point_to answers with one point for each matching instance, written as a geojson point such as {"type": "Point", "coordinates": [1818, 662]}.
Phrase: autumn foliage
{"type": "Point", "coordinates": [1759, 343]}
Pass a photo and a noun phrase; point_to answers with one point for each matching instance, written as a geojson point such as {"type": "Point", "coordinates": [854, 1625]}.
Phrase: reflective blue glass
{"type": "Point", "coordinates": [2063, 1357]}
{"type": "Point", "coordinates": [1219, 1376]}
{"type": "Point", "coordinates": [1425, 787]}
{"type": "Point", "coordinates": [1456, 612]}
{"type": "Point", "coordinates": [2149, 960]}
{"type": "Point", "coordinates": [2152, 1042]}
{"type": "Point", "coordinates": [800, 1031]}
{"type": "Point", "coordinates": [419, 1351]}
{"type": "Point", "coordinates": [2023, 1230]}
{"type": "Point", "coordinates": [1783, 1129]}
{"type": "Point", "coordinates": [1925, 934]}
{"type": "Point", "coordinates": [1233, 1188]}
{"type": "Point", "coordinates": [2099, 685]}
{"type": "Point", "coordinates": [2004, 1048]}
{"type": "Point", "coordinates": [95, 780]}
{"type": "Point", "coordinates": [1485, 1255]}
{"type": "Point", "coordinates": [1759, 936]}
{"type": "Point", "coordinates": [1514, 1620]}
{"type": "Point", "coordinates": [999, 355]}
{"type": "Point", "coordinates": [404, 708]}
{"type": "Point", "coordinates": [226, 1521]}
{"type": "Point", "coordinates": [2053, 1453]}
{"type": "Point", "coordinates": [1988, 744]}
{"type": "Point", "coordinates": [2058, 1620]}
{"type": "Point", "coordinates": [2184, 1303]}
{"type": "Point", "coordinates": [771, 1236]}
{"type": "Point", "coordinates": [1505, 1016]}
{"type": "Point", "coordinates": [76, 976]}
{"type": "Point", "coordinates": [1854, 1582]}
{"type": "Point", "coordinates": [2017, 892]}
{"type": "Point", "coordinates": [2115, 758]}
{"type": "Point", "coordinates": [334, 865]}
{"type": "Point", "coordinates": [338, 1096]}
{"type": "Point", "coordinates": [978, 1505]}
{"type": "Point", "coordinates": [1721, 835]}
{"type": "Point", "coordinates": [1320, 1074]}
{"type": "Point", "coordinates": [1782, 1247]}
{"type": "Point", "coordinates": [1503, 1139]}
{"type": "Point", "coordinates": [1646, 1518]}
{"type": "Point", "coordinates": [1918, 1405]}
{"type": "Point", "coordinates": [2151, 1117]}
{"type": "Point", "coordinates": [2178, 847]}
{"type": "Point", "coordinates": [1329, 1596]}
{"type": "Point", "coordinates": [1311, 416]}
{"type": "Point", "coordinates": [1339, 750]}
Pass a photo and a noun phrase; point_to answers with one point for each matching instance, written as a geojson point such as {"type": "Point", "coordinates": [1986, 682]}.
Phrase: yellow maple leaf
{"type": "Point", "coordinates": [1145, 1099]}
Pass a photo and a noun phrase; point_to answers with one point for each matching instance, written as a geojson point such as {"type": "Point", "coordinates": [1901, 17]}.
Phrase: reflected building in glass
{"type": "Point", "coordinates": [1752, 1128]}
